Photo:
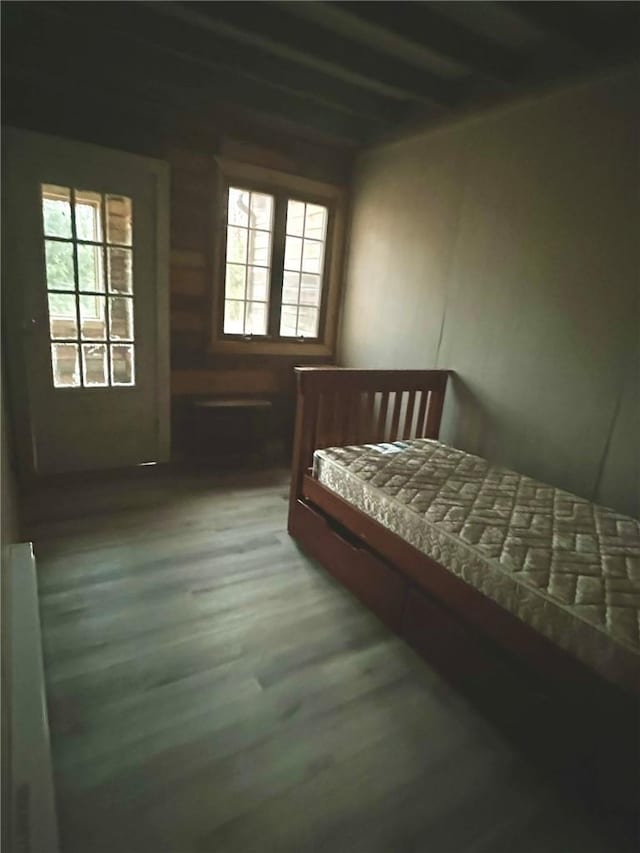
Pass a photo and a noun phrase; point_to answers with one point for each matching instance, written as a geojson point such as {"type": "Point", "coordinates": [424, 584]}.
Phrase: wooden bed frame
{"type": "Point", "coordinates": [588, 726]}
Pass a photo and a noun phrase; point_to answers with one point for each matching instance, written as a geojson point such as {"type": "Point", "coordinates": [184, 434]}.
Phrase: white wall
{"type": "Point", "coordinates": [10, 531]}
{"type": "Point", "coordinates": [9, 505]}
{"type": "Point", "coordinates": [505, 247]}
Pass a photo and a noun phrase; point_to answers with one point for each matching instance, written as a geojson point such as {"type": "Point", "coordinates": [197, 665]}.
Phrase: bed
{"type": "Point", "coordinates": [510, 587]}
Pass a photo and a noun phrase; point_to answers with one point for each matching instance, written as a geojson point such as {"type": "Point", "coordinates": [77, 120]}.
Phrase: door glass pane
{"type": "Point", "coordinates": [119, 220]}
{"type": "Point", "coordinates": [122, 364]}
{"type": "Point", "coordinates": [88, 215]}
{"type": "Point", "coordinates": [288, 320]}
{"type": "Point", "coordinates": [233, 317]}
{"type": "Point", "coordinates": [63, 322]}
{"type": "Point", "coordinates": [75, 276]}
{"type": "Point", "coordinates": [94, 364]}
{"type": "Point", "coordinates": [120, 270]}
{"type": "Point", "coordinates": [120, 318]}
{"type": "Point", "coordinates": [256, 320]}
{"type": "Point", "coordinates": [66, 365]}
{"type": "Point", "coordinates": [90, 271]}
{"type": "Point", "coordinates": [93, 323]}
{"type": "Point", "coordinates": [59, 262]}
{"type": "Point", "coordinates": [308, 322]}
{"type": "Point", "coordinates": [56, 211]}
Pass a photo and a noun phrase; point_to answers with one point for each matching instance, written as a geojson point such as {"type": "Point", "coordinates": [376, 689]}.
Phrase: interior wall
{"type": "Point", "coordinates": [505, 248]}
{"type": "Point", "coordinates": [9, 506]}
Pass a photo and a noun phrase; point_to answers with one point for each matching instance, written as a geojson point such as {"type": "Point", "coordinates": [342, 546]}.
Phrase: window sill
{"type": "Point", "coordinates": [266, 347]}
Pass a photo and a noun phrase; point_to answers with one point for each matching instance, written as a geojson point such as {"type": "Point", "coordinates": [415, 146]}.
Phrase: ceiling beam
{"type": "Point", "coordinates": [149, 124]}
{"type": "Point", "coordinates": [603, 29]}
{"type": "Point", "coordinates": [174, 81]}
{"type": "Point", "coordinates": [137, 23]}
{"type": "Point", "coordinates": [269, 28]}
{"type": "Point", "coordinates": [426, 37]}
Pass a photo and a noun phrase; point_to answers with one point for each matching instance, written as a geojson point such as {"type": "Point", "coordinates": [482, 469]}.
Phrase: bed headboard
{"type": "Point", "coordinates": [341, 406]}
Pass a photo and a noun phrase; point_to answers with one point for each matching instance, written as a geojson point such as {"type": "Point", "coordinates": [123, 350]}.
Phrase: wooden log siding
{"type": "Point", "coordinates": [188, 281]}
{"type": "Point", "coordinates": [195, 371]}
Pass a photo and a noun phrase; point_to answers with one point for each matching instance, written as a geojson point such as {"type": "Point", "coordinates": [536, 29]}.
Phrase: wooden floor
{"type": "Point", "coordinates": [211, 689]}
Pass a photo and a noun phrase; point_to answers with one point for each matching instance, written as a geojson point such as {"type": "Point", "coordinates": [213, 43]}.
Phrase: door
{"type": "Point", "coordinates": [85, 299]}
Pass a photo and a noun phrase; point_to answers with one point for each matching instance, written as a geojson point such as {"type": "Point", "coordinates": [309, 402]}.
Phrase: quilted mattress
{"type": "Point", "coordinates": [565, 566]}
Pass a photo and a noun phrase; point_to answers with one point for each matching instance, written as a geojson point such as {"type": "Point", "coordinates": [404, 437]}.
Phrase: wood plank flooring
{"type": "Point", "coordinates": [211, 689]}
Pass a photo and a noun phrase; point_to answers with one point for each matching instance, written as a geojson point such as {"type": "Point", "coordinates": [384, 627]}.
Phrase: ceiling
{"type": "Point", "coordinates": [352, 73]}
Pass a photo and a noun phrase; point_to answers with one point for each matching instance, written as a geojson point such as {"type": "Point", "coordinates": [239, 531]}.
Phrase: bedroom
{"type": "Point", "coordinates": [486, 170]}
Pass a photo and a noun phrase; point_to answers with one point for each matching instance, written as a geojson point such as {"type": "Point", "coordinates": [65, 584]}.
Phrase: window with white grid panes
{"type": "Point", "coordinates": [248, 262]}
{"type": "Point", "coordinates": [300, 309]}
{"type": "Point", "coordinates": [305, 239]}
{"type": "Point", "coordinates": [88, 242]}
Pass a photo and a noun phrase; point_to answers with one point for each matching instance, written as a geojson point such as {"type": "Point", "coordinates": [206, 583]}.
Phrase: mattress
{"type": "Point", "coordinates": [566, 567]}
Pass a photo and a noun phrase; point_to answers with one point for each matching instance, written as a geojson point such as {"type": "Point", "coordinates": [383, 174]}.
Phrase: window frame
{"type": "Point", "coordinates": [283, 187]}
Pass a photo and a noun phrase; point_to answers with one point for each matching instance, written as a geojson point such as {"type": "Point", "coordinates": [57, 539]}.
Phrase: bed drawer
{"type": "Point", "coordinates": [377, 585]}
{"type": "Point", "coordinates": [505, 690]}
{"type": "Point", "coordinates": [449, 644]}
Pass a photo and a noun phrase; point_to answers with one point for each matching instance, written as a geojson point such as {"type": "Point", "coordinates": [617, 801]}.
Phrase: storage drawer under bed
{"type": "Point", "coordinates": [368, 577]}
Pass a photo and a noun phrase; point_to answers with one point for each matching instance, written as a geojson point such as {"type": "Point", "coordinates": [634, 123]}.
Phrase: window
{"type": "Point", "coordinates": [304, 245]}
{"type": "Point", "coordinates": [279, 259]}
{"type": "Point", "coordinates": [248, 266]}
{"type": "Point", "coordinates": [248, 262]}
{"type": "Point", "coordinates": [89, 277]}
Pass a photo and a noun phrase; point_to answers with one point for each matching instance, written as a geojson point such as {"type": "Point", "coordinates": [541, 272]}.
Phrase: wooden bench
{"type": "Point", "coordinates": [257, 410]}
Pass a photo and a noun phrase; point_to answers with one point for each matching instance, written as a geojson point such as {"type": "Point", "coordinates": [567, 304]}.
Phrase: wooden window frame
{"type": "Point", "coordinates": [281, 186]}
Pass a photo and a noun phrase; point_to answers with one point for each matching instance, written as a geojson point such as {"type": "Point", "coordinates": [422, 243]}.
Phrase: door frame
{"type": "Point", "coordinates": [17, 302]}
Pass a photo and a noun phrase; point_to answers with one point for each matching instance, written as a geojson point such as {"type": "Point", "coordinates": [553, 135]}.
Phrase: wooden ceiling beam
{"type": "Point", "coordinates": [137, 123]}
{"type": "Point", "coordinates": [269, 28]}
{"type": "Point", "coordinates": [422, 31]}
{"type": "Point", "coordinates": [174, 84]}
{"type": "Point", "coordinates": [136, 22]}
{"type": "Point", "coordinates": [146, 125]}
{"type": "Point", "coordinates": [607, 29]}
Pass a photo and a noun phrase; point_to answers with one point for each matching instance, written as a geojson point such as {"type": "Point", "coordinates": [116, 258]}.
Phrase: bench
{"type": "Point", "coordinates": [221, 420]}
